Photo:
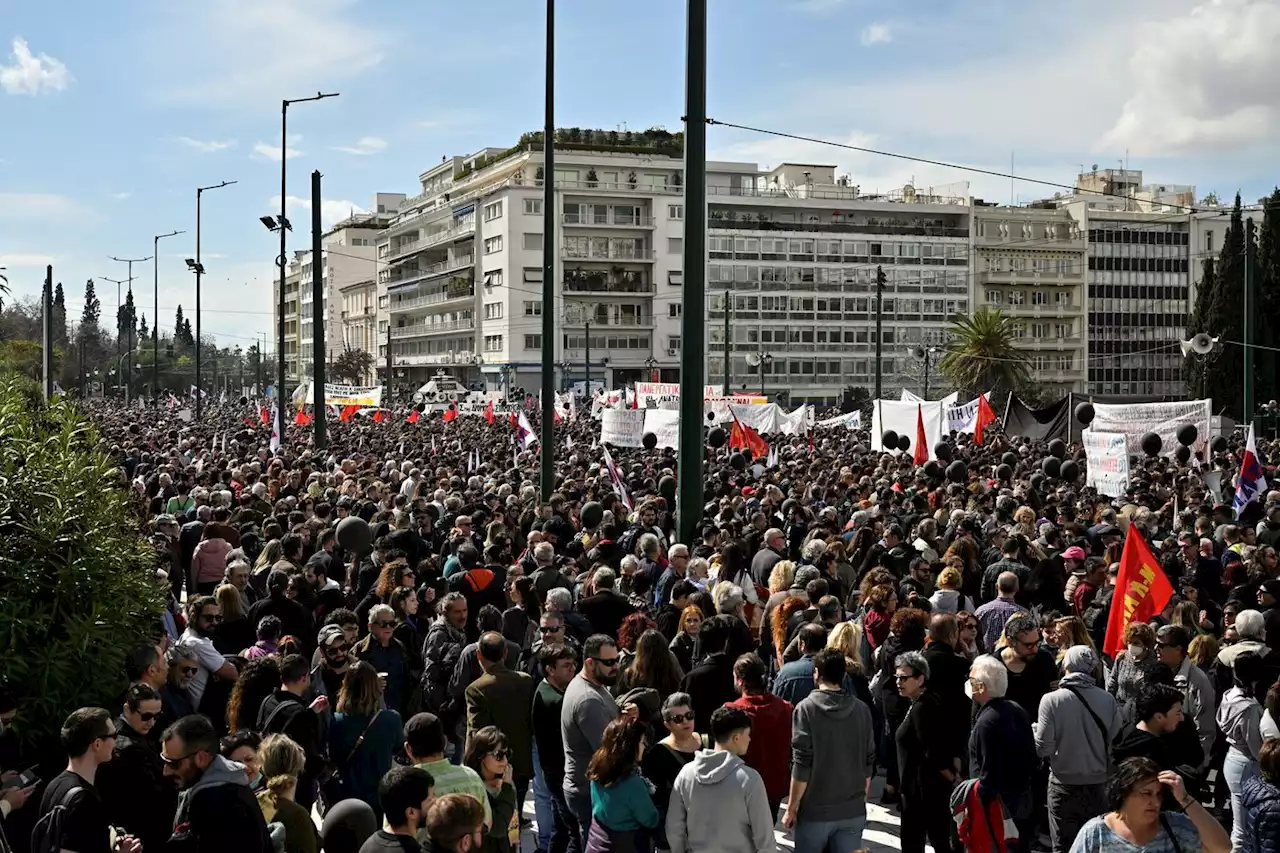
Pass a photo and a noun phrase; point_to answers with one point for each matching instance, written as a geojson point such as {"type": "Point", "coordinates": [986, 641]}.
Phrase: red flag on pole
{"type": "Point", "coordinates": [515, 423]}
{"type": "Point", "coordinates": [348, 412]}
{"type": "Point", "coordinates": [1142, 590]}
{"type": "Point", "coordinates": [450, 413]}
{"type": "Point", "coordinates": [921, 454]}
{"type": "Point", "coordinates": [264, 415]}
{"type": "Point", "coordinates": [379, 415]}
{"type": "Point", "coordinates": [488, 413]}
{"type": "Point", "coordinates": [745, 438]}
{"type": "Point", "coordinates": [302, 418]}
{"type": "Point", "coordinates": [985, 416]}
{"type": "Point", "coordinates": [413, 417]}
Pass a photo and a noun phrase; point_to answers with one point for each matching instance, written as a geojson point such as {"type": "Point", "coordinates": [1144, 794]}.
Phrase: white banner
{"type": "Point", "coordinates": [1107, 461]}
{"type": "Point", "coordinates": [341, 395]}
{"type": "Point", "coordinates": [666, 395]}
{"type": "Point", "coordinates": [850, 421]}
{"type": "Point", "coordinates": [665, 424]}
{"type": "Point", "coordinates": [901, 417]}
{"type": "Point", "coordinates": [963, 418]}
{"type": "Point", "coordinates": [622, 427]}
{"type": "Point", "coordinates": [1137, 419]}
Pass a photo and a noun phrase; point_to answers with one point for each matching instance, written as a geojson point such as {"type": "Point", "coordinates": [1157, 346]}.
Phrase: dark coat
{"type": "Point", "coordinates": [137, 797]}
{"type": "Point", "coordinates": [924, 750]}
{"type": "Point", "coordinates": [709, 685]}
{"type": "Point", "coordinates": [1262, 804]}
{"type": "Point", "coordinates": [605, 611]}
{"type": "Point", "coordinates": [504, 698]}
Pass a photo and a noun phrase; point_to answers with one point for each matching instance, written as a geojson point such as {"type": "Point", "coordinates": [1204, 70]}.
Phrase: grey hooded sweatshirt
{"type": "Point", "coordinates": [718, 805]}
{"type": "Point", "coordinates": [833, 748]}
{"type": "Point", "coordinates": [1068, 735]}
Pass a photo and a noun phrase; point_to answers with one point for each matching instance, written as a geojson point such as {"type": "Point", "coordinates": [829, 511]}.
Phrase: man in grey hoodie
{"type": "Point", "coordinates": [833, 749]}
{"type": "Point", "coordinates": [216, 808]}
{"type": "Point", "coordinates": [1077, 724]}
{"type": "Point", "coordinates": [719, 783]}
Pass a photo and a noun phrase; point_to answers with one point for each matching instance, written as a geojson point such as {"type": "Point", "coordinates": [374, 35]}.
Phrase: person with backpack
{"type": "Point", "coordinates": [217, 811]}
{"type": "Point", "coordinates": [286, 712]}
{"type": "Point", "coordinates": [1076, 726]}
{"type": "Point", "coordinates": [72, 815]}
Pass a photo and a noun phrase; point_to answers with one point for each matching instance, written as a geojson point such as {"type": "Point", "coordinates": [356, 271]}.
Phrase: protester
{"type": "Point", "coordinates": [586, 710]}
{"type": "Point", "coordinates": [769, 750]}
{"type": "Point", "coordinates": [929, 758]}
{"type": "Point", "coordinates": [489, 755]}
{"type": "Point", "coordinates": [621, 804]}
{"type": "Point", "coordinates": [363, 734]}
{"type": "Point", "coordinates": [406, 795]}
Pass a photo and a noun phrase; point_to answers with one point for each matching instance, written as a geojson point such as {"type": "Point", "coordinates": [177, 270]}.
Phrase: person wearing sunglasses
{"type": "Point", "coordinates": [664, 759]}
{"type": "Point", "coordinates": [132, 784]}
{"type": "Point", "coordinates": [489, 754]}
{"type": "Point", "coordinates": [181, 667]}
{"type": "Point", "coordinates": [388, 656]}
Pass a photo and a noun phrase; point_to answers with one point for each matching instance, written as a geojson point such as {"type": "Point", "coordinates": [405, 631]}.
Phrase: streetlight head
{"type": "Point", "coordinates": [268, 221]}
{"type": "Point", "coordinates": [191, 264]}
{"type": "Point", "coordinates": [285, 222]}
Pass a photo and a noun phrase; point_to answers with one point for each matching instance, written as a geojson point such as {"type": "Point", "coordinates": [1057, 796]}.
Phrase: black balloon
{"type": "Point", "coordinates": [904, 443]}
{"type": "Point", "coordinates": [1187, 434]}
{"type": "Point", "coordinates": [1037, 481]}
{"type": "Point", "coordinates": [1084, 413]}
{"type": "Point", "coordinates": [667, 487]}
{"type": "Point", "coordinates": [592, 514]}
{"type": "Point", "coordinates": [649, 440]}
{"type": "Point", "coordinates": [1220, 444]}
{"type": "Point", "coordinates": [957, 472]}
{"type": "Point", "coordinates": [933, 470]}
{"type": "Point", "coordinates": [1182, 454]}
{"type": "Point", "coordinates": [1010, 458]}
{"type": "Point", "coordinates": [716, 437]}
{"type": "Point", "coordinates": [1052, 466]}
{"type": "Point", "coordinates": [1069, 471]}
{"type": "Point", "coordinates": [1004, 472]}
{"type": "Point", "coordinates": [942, 450]}
{"type": "Point", "coordinates": [1151, 444]}
{"type": "Point", "coordinates": [889, 439]}
{"type": "Point", "coordinates": [738, 461]}
{"type": "Point", "coordinates": [711, 417]}
{"type": "Point", "coordinates": [354, 535]}
{"type": "Point", "coordinates": [1058, 448]}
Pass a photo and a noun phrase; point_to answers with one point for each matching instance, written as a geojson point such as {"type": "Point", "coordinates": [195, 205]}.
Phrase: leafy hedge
{"type": "Point", "coordinates": [77, 587]}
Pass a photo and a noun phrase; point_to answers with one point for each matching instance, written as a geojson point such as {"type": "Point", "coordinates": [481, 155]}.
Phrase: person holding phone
{"type": "Point", "coordinates": [1136, 823]}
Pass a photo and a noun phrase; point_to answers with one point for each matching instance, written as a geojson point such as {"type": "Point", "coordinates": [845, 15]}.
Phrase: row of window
{"type": "Point", "coordinates": [948, 279]}
{"type": "Point", "coordinates": [1173, 265]}
{"type": "Point", "coordinates": [1141, 319]}
{"type": "Point", "coordinates": [1041, 266]}
{"type": "Point", "coordinates": [1128, 291]}
{"type": "Point", "coordinates": [781, 248]}
{"type": "Point", "coordinates": [1061, 298]}
{"type": "Point", "coordinates": [828, 306]}
{"type": "Point", "coordinates": [1128, 335]}
{"type": "Point", "coordinates": [1040, 331]}
{"type": "Point", "coordinates": [1173, 389]}
{"type": "Point", "coordinates": [608, 341]}
{"type": "Point", "coordinates": [1141, 235]}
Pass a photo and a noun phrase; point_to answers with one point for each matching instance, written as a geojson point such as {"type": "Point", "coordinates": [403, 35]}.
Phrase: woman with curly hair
{"type": "Point", "coordinates": [778, 633]}
{"type": "Point", "coordinates": [629, 635]}
{"type": "Point", "coordinates": [685, 644]}
{"type": "Point", "coordinates": [654, 666]}
{"type": "Point", "coordinates": [881, 604]}
{"type": "Point", "coordinates": [258, 680]}
{"type": "Point", "coordinates": [396, 573]}
{"type": "Point", "coordinates": [907, 632]}
{"type": "Point", "coordinates": [847, 639]}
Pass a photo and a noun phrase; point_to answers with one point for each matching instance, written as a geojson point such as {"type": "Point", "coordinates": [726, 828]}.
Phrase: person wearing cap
{"type": "Point", "coordinates": [1075, 728]}
{"type": "Point", "coordinates": [326, 676]}
{"type": "Point", "coordinates": [1090, 575]}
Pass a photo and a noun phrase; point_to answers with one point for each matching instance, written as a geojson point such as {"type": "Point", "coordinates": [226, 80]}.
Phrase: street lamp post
{"type": "Point", "coordinates": [119, 313]}
{"type": "Point", "coordinates": [282, 226]}
{"type": "Point", "coordinates": [198, 268]}
{"type": "Point", "coordinates": [128, 388]}
{"type": "Point", "coordinates": [925, 354]}
{"type": "Point", "coordinates": [759, 360]}
{"type": "Point", "coordinates": [155, 309]}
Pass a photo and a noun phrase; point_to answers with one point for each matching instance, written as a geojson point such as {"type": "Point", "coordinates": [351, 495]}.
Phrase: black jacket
{"type": "Point", "coordinates": [710, 685]}
{"type": "Point", "coordinates": [1002, 752]}
{"type": "Point", "coordinates": [137, 797]}
{"type": "Point", "coordinates": [219, 817]}
{"type": "Point", "coordinates": [605, 611]}
{"type": "Point", "coordinates": [924, 748]}
{"type": "Point", "coordinates": [294, 619]}
{"type": "Point", "coordinates": [948, 673]}
{"type": "Point", "coordinates": [296, 720]}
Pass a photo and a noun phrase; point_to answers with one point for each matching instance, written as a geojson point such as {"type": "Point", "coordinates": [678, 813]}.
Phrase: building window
{"type": "Point", "coordinates": [675, 245]}
{"type": "Point", "coordinates": [533, 275]}
{"type": "Point", "coordinates": [675, 278]}
{"type": "Point", "coordinates": [994, 297]}
{"type": "Point", "coordinates": [673, 343]}
{"type": "Point", "coordinates": [493, 278]}
{"type": "Point", "coordinates": [493, 211]}
{"type": "Point", "coordinates": [493, 310]}
{"type": "Point", "coordinates": [533, 341]}
{"type": "Point", "coordinates": [533, 206]}
{"type": "Point", "coordinates": [1017, 297]}
{"type": "Point", "coordinates": [493, 343]}
{"type": "Point", "coordinates": [493, 244]}
{"type": "Point", "coordinates": [533, 241]}
{"type": "Point", "coordinates": [1039, 297]}
{"type": "Point", "coordinates": [533, 308]}
{"type": "Point", "coordinates": [675, 211]}
{"type": "Point", "coordinates": [674, 309]}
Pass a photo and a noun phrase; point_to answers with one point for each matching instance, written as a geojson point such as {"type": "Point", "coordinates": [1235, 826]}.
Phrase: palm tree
{"type": "Point", "coordinates": [4, 286]}
{"type": "Point", "coordinates": [981, 356]}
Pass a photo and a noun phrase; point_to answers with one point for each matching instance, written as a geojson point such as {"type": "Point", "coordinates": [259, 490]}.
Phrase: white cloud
{"type": "Point", "coordinates": [878, 33]}
{"type": "Point", "coordinates": [39, 206]}
{"type": "Point", "coordinates": [820, 7]}
{"type": "Point", "coordinates": [364, 145]}
{"type": "Point", "coordinates": [121, 196]}
{"type": "Point", "coordinates": [211, 146]}
{"type": "Point", "coordinates": [24, 260]}
{"type": "Point", "coordinates": [296, 45]}
{"type": "Point", "coordinates": [1202, 81]}
{"type": "Point", "coordinates": [31, 74]}
{"type": "Point", "coordinates": [331, 210]}
{"type": "Point", "coordinates": [263, 151]}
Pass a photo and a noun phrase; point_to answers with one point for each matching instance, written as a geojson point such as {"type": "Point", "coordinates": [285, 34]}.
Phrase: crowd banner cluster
{"type": "Point", "coordinates": [850, 421]}
{"type": "Point", "coordinates": [627, 427]}
{"type": "Point", "coordinates": [1106, 457]}
{"type": "Point", "coordinates": [1137, 419]}
{"type": "Point", "coordinates": [341, 395]}
{"type": "Point", "coordinates": [666, 395]}
{"type": "Point", "coordinates": [902, 417]}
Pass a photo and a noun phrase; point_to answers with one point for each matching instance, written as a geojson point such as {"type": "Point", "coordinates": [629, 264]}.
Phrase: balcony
{"type": "Point", "coordinates": [613, 323]}
{"type": "Point", "coordinates": [418, 330]}
{"type": "Point", "coordinates": [617, 187]}
{"type": "Point", "coordinates": [404, 275]}
{"type": "Point", "coordinates": [599, 282]}
{"type": "Point", "coordinates": [903, 229]}
{"type": "Point", "coordinates": [449, 294]}
{"type": "Point", "coordinates": [442, 359]}
{"type": "Point", "coordinates": [590, 254]}
{"type": "Point", "coordinates": [607, 221]}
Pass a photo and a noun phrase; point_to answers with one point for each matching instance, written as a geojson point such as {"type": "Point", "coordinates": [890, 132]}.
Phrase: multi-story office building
{"type": "Point", "coordinates": [349, 257]}
{"type": "Point", "coordinates": [1029, 262]}
{"type": "Point", "coordinates": [360, 320]}
{"type": "Point", "coordinates": [796, 247]}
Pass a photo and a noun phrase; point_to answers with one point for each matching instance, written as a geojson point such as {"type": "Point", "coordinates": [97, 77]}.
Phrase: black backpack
{"type": "Point", "coordinates": [51, 829]}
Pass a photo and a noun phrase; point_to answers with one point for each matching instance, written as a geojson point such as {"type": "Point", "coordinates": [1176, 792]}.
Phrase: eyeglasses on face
{"type": "Point", "coordinates": [900, 678]}
{"type": "Point", "coordinates": [174, 762]}
{"type": "Point", "coordinates": [501, 754]}
{"type": "Point", "coordinates": [148, 716]}
{"type": "Point", "coordinates": [211, 617]}
{"type": "Point", "coordinates": [549, 629]}
{"type": "Point", "coordinates": [337, 647]}
{"type": "Point", "coordinates": [383, 623]}
{"type": "Point", "coordinates": [680, 718]}
{"type": "Point", "coordinates": [190, 670]}
{"type": "Point", "coordinates": [609, 662]}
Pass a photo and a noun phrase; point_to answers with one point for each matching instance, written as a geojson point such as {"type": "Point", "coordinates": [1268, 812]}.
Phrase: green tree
{"type": "Point", "coordinates": [59, 314]}
{"type": "Point", "coordinates": [92, 315]}
{"type": "Point", "coordinates": [77, 583]}
{"type": "Point", "coordinates": [1267, 358]}
{"type": "Point", "coordinates": [128, 323]}
{"type": "Point", "coordinates": [353, 366]}
{"type": "Point", "coordinates": [1193, 365]}
{"type": "Point", "coordinates": [143, 332]}
{"type": "Point", "coordinates": [180, 329]}
{"type": "Point", "coordinates": [1225, 318]}
{"type": "Point", "coordinates": [982, 357]}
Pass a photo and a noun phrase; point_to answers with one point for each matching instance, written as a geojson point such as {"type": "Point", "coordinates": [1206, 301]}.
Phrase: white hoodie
{"type": "Point", "coordinates": [719, 783]}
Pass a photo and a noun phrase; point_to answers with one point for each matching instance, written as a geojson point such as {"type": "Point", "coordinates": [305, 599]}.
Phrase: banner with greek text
{"type": "Point", "coordinates": [622, 427]}
{"type": "Point", "coordinates": [1106, 456]}
{"type": "Point", "coordinates": [1137, 419]}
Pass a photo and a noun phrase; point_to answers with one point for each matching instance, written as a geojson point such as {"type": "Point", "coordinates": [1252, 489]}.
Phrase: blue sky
{"type": "Point", "coordinates": [112, 115]}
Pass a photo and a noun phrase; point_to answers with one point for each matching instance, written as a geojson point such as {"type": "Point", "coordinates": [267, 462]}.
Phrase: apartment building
{"type": "Point", "coordinates": [349, 257]}
{"type": "Point", "coordinates": [795, 248]}
{"type": "Point", "coordinates": [1029, 262]}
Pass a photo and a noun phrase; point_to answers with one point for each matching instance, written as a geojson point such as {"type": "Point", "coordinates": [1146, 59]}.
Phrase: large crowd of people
{"type": "Point", "coordinates": [409, 679]}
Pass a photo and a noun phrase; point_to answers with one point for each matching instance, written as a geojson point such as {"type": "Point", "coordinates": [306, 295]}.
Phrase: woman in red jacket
{"type": "Point", "coordinates": [770, 750]}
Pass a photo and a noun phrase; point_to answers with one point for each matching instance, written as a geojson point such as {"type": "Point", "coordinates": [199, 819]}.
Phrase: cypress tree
{"type": "Point", "coordinates": [1225, 318]}
{"type": "Point", "coordinates": [1267, 333]}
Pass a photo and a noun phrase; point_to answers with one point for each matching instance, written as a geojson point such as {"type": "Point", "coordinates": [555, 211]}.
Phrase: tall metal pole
{"type": "Point", "coordinates": [693, 325]}
{"type": "Point", "coordinates": [317, 316]}
{"type": "Point", "coordinates": [548, 467]}
{"type": "Point", "coordinates": [728, 306]}
{"type": "Point", "coordinates": [200, 274]}
{"type": "Point", "coordinates": [390, 399]}
{"type": "Point", "coordinates": [926, 373]}
{"type": "Point", "coordinates": [1250, 324]}
{"type": "Point", "coordinates": [879, 302]}
{"type": "Point", "coordinates": [119, 328]}
{"type": "Point", "coordinates": [128, 385]}
{"type": "Point", "coordinates": [155, 309]}
{"type": "Point", "coordinates": [587, 351]}
{"type": "Point", "coordinates": [46, 327]}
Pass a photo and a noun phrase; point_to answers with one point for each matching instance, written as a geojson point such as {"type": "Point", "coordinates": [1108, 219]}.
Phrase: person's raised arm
{"type": "Point", "coordinates": [1213, 838]}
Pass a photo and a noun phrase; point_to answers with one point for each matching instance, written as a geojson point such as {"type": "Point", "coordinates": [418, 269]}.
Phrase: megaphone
{"type": "Point", "coordinates": [753, 359]}
{"type": "Point", "coordinates": [1201, 344]}
{"type": "Point", "coordinates": [918, 352]}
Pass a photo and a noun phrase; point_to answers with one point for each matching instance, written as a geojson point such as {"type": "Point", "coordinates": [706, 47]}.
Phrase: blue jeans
{"type": "Point", "coordinates": [834, 836]}
{"type": "Point", "coordinates": [1238, 768]}
{"type": "Point", "coordinates": [543, 811]}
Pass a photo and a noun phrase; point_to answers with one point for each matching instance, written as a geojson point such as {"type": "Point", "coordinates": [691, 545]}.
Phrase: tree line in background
{"type": "Point", "coordinates": [1250, 251]}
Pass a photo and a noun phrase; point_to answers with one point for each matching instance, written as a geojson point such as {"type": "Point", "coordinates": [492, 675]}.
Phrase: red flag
{"type": "Point", "coordinates": [515, 423]}
{"type": "Point", "coordinates": [265, 415]}
{"type": "Point", "coordinates": [413, 417]}
{"type": "Point", "coordinates": [985, 416]}
{"type": "Point", "coordinates": [921, 454]}
{"type": "Point", "coordinates": [249, 422]}
{"type": "Point", "coordinates": [745, 438]}
{"type": "Point", "coordinates": [450, 413]}
{"type": "Point", "coordinates": [555, 413]}
{"type": "Point", "coordinates": [488, 413]}
{"type": "Point", "coordinates": [1142, 590]}
{"type": "Point", "coordinates": [302, 418]}
{"type": "Point", "coordinates": [348, 412]}
{"type": "Point", "coordinates": [379, 416]}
